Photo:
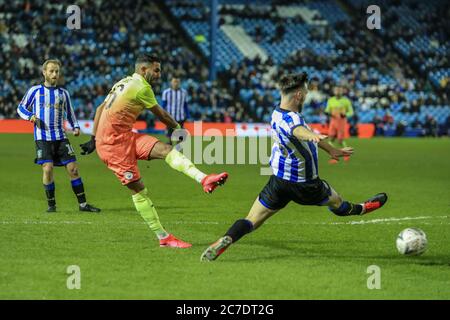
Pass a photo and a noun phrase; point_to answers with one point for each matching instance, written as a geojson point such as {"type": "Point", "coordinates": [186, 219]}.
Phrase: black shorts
{"type": "Point", "coordinates": [59, 152]}
{"type": "Point", "coordinates": [278, 193]}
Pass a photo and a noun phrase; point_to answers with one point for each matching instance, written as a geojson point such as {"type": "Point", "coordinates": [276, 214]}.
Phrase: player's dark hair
{"type": "Point", "coordinates": [291, 82]}
{"type": "Point", "coordinates": [147, 58]}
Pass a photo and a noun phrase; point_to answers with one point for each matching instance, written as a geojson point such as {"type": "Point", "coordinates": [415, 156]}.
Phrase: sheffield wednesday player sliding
{"type": "Point", "coordinates": [46, 106]}
{"type": "Point", "coordinates": [294, 163]}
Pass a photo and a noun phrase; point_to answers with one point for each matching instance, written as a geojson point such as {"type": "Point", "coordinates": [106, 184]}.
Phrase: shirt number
{"type": "Point", "coordinates": [113, 95]}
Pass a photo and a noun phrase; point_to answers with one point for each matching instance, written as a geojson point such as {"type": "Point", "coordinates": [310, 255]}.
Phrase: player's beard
{"type": "Point", "coordinates": [149, 79]}
{"type": "Point", "coordinates": [52, 82]}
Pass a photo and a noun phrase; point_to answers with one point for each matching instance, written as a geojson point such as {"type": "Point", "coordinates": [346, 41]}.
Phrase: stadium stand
{"type": "Point", "coordinates": [96, 56]}
{"type": "Point", "coordinates": [397, 77]}
{"type": "Point", "coordinates": [330, 41]}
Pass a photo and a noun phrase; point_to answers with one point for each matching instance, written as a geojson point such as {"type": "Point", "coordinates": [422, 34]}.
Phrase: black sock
{"type": "Point", "coordinates": [50, 193]}
{"type": "Point", "coordinates": [78, 189]}
{"type": "Point", "coordinates": [240, 228]}
{"type": "Point", "coordinates": [348, 209]}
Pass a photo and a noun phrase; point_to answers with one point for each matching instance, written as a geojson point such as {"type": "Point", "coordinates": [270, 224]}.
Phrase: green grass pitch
{"type": "Point", "coordinates": [300, 253]}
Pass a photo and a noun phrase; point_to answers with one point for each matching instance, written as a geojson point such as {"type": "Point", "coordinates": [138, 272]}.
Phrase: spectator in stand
{"type": "Point", "coordinates": [446, 129]}
{"type": "Point", "coordinates": [431, 127]}
{"type": "Point", "coordinates": [379, 126]}
{"type": "Point", "coordinates": [279, 32]}
{"type": "Point", "coordinates": [400, 128]}
{"type": "Point", "coordinates": [373, 66]}
{"type": "Point", "coordinates": [388, 119]}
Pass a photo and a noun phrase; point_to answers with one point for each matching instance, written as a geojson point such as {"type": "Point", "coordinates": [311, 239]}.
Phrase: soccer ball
{"type": "Point", "coordinates": [412, 242]}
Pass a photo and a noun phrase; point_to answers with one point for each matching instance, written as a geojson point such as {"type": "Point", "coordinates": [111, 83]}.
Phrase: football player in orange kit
{"type": "Point", "coordinates": [120, 148]}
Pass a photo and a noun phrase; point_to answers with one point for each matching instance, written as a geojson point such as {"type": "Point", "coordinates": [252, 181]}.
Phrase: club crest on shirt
{"type": "Point", "coordinates": [57, 104]}
{"type": "Point", "coordinates": [128, 175]}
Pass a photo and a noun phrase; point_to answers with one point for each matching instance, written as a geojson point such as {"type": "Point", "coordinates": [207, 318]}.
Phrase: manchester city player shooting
{"type": "Point", "coordinates": [120, 148]}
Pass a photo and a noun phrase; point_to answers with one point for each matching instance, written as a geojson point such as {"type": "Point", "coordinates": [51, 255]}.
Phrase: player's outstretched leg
{"type": "Point", "coordinates": [258, 214]}
{"type": "Point", "coordinates": [341, 207]}
{"type": "Point", "coordinates": [374, 203]}
{"type": "Point", "coordinates": [146, 209]}
{"type": "Point", "coordinates": [176, 160]}
{"type": "Point", "coordinates": [217, 248]}
{"type": "Point", "coordinates": [240, 228]}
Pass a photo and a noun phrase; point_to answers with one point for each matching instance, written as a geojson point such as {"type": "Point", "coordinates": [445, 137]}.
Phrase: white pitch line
{"type": "Point", "coordinates": [37, 222]}
{"type": "Point", "coordinates": [45, 222]}
{"type": "Point", "coordinates": [360, 222]}
{"type": "Point", "coordinates": [374, 221]}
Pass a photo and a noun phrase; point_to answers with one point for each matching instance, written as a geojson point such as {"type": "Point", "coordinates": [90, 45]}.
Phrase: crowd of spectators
{"type": "Point", "coordinates": [100, 53]}
{"type": "Point", "coordinates": [420, 31]}
{"type": "Point", "coordinates": [374, 74]}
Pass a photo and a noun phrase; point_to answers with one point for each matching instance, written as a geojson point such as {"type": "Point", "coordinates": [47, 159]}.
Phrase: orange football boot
{"type": "Point", "coordinates": [173, 242]}
{"type": "Point", "coordinates": [374, 203]}
{"type": "Point", "coordinates": [213, 180]}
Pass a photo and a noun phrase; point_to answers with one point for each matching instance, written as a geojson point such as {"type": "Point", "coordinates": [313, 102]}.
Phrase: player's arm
{"type": "Point", "coordinates": [164, 100]}
{"type": "Point", "coordinates": [303, 133]}
{"type": "Point", "coordinates": [24, 108]}
{"type": "Point", "coordinates": [333, 152]}
{"type": "Point", "coordinates": [89, 147]}
{"type": "Point", "coordinates": [165, 117]}
{"type": "Point", "coordinates": [148, 99]}
{"type": "Point", "coordinates": [71, 114]}
{"type": "Point", "coordinates": [349, 110]}
{"type": "Point", "coordinates": [328, 107]}
{"type": "Point", "coordinates": [98, 114]}
{"type": "Point", "coordinates": [186, 109]}
{"type": "Point", "coordinates": [328, 110]}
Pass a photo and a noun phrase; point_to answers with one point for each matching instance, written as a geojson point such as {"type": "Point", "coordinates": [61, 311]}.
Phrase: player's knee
{"type": "Point", "coordinates": [47, 168]}
{"type": "Point", "coordinates": [258, 219]}
{"type": "Point", "coordinates": [166, 150]}
{"type": "Point", "coordinates": [160, 151]}
{"type": "Point", "coordinates": [73, 171]}
{"type": "Point", "coordinates": [335, 201]}
{"type": "Point", "coordinates": [256, 223]}
{"type": "Point", "coordinates": [136, 186]}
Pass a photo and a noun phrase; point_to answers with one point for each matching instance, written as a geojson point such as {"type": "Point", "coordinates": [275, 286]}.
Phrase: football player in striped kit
{"type": "Point", "coordinates": [294, 163]}
{"type": "Point", "coordinates": [47, 105]}
{"type": "Point", "coordinates": [175, 102]}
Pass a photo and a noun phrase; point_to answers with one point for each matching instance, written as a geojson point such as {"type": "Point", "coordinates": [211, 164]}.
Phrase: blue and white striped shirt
{"type": "Point", "coordinates": [292, 159]}
{"type": "Point", "coordinates": [51, 105]}
{"type": "Point", "coordinates": [175, 103]}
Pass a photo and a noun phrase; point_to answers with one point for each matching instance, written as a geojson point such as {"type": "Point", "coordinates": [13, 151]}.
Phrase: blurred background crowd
{"type": "Point", "coordinates": [396, 77]}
